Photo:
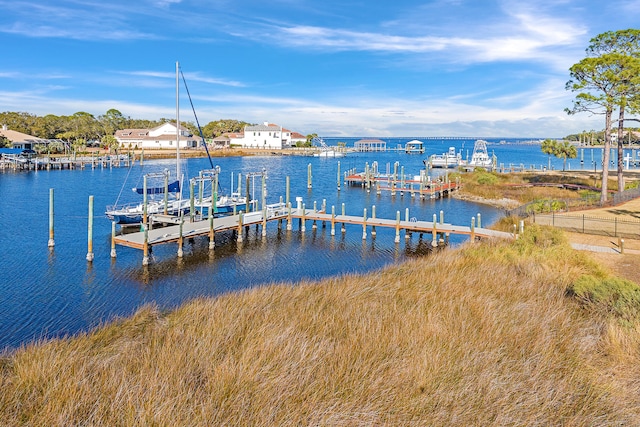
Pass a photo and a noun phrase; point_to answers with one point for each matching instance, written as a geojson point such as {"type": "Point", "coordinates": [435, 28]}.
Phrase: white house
{"type": "Point", "coordinates": [266, 135]}
{"type": "Point", "coordinates": [163, 136]}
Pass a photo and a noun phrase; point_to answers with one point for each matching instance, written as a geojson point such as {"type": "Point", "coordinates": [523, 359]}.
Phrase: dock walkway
{"type": "Point", "coordinates": [208, 227]}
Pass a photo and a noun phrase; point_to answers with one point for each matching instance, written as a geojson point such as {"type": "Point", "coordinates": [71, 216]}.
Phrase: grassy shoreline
{"type": "Point", "coordinates": [492, 333]}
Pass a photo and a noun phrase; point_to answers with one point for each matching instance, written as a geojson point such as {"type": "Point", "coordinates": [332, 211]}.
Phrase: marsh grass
{"type": "Point", "coordinates": [495, 186]}
{"type": "Point", "coordinates": [487, 334]}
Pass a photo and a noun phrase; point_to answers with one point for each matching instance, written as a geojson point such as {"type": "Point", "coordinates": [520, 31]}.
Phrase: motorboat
{"type": "Point", "coordinates": [450, 159]}
{"type": "Point", "coordinates": [480, 156]}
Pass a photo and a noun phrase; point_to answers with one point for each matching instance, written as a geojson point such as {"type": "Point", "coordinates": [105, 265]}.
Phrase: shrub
{"type": "Point", "coordinates": [608, 295]}
{"type": "Point", "coordinates": [486, 178]}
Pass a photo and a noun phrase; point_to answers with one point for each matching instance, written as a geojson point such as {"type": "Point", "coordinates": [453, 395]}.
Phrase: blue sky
{"type": "Point", "coordinates": [335, 68]}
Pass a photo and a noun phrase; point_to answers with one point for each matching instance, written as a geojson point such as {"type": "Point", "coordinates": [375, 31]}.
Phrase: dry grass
{"type": "Point", "coordinates": [484, 335]}
{"type": "Point", "coordinates": [495, 186]}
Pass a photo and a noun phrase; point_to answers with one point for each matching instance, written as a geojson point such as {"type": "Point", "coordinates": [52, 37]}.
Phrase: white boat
{"type": "Point", "coordinates": [325, 150]}
{"type": "Point", "coordinates": [450, 159]}
{"type": "Point", "coordinates": [480, 156]}
{"type": "Point", "coordinates": [328, 153]}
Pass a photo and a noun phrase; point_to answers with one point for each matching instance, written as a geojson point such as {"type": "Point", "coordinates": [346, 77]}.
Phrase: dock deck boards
{"type": "Point", "coordinates": [171, 233]}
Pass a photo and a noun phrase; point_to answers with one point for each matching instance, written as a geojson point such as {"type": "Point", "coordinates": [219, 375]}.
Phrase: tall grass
{"type": "Point", "coordinates": [484, 335]}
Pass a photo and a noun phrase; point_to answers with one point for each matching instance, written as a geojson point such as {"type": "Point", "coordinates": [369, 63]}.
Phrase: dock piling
{"type": "Point", "coordinates": [239, 240]}
{"type": "Point", "coordinates": [364, 224]}
{"type": "Point", "coordinates": [333, 220]}
{"type": "Point", "coordinates": [373, 216]}
{"type": "Point", "coordinates": [212, 233]}
{"type": "Point", "coordinates": [473, 229]}
{"type": "Point", "coordinates": [90, 231]}
{"type": "Point", "coordinates": [397, 239]}
{"type": "Point", "coordinates": [434, 232]}
{"type": "Point", "coordinates": [51, 242]}
{"type": "Point", "coordinates": [113, 239]}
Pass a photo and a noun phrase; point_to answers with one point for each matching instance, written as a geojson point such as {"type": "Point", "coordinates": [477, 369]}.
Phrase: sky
{"type": "Point", "coordinates": [336, 68]}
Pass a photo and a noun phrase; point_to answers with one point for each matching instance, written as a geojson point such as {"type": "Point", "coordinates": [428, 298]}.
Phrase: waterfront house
{"type": "Point", "coordinates": [160, 137]}
{"type": "Point", "coordinates": [21, 141]}
{"type": "Point", "coordinates": [297, 139]}
{"type": "Point", "coordinates": [266, 135]}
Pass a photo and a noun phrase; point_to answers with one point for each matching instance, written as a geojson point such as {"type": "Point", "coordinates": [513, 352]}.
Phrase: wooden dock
{"type": "Point", "coordinates": [399, 183]}
{"type": "Point", "coordinates": [16, 162]}
{"type": "Point", "coordinates": [173, 233]}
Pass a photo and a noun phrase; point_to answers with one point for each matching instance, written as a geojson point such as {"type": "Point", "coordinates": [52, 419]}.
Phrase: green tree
{"type": "Point", "coordinates": [4, 142]}
{"type": "Point", "coordinates": [548, 148]}
{"type": "Point", "coordinates": [594, 79]}
{"type": "Point", "coordinates": [222, 126]}
{"type": "Point", "coordinates": [110, 142]}
{"type": "Point", "coordinates": [111, 121]}
{"type": "Point", "coordinates": [566, 150]}
{"type": "Point", "coordinates": [622, 50]}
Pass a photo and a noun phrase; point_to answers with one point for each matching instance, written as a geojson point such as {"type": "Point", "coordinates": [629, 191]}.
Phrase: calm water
{"type": "Point", "coordinates": [55, 293]}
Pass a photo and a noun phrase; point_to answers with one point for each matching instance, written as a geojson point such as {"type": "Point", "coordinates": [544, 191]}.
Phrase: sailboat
{"type": "Point", "coordinates": [167, 199]}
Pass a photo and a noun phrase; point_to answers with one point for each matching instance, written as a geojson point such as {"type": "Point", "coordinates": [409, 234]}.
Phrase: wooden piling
{"type": "Point", "coordinates": [287, 191]}
{"type": "Point", "coordinates": [407, 232]}
{"type": "Point", "coordinates": [181, 240]}
{"type": "Point", "coordinates": [113, 239]}
{"type": "Point", "coordinates": [145, 246]}
{"type": "Point", "coordinates": [434, 232]}
{"type": "Point", "coordinates": [212, 233]}
{"type": "Point", "coordinates": [333, 220]}
{"type": "Point", "coordinates": [264, 221]}
{"type": "Point", "coordinates": [309, 176]}
{"type": "Point", "coordinates": [473, 229]}
{"type": "Point", "coordinates": [144, 202]}
{"type": "Point", "coordinates": [192, 205]}
{"type": "Point", "coordinates": [397, 239]}
{"type": "Point", "coordinates": [339, 176]}
{"type": "Point", "coordinates": [373, 216]}
{"type": "Point", "coordinates": [51, 242]}
{"type": "Point", "coordinates": [240, 227]}
{"type": "Point", "coordinates": [90, 231]}
{"type": "Point", "coordinates": [364, 224]}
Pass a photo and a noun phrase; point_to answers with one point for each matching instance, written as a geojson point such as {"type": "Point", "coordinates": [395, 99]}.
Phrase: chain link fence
{"type": "Point", "coordinates": [614, 227]}
{"type": "Point", "coordinates": [557, 214]}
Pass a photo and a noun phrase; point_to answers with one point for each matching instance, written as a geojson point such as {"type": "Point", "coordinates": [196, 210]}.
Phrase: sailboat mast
{"type": "Point", "coordinates": [178, 177]}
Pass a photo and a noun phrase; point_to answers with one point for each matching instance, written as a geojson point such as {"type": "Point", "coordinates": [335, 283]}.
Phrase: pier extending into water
{"type": "Point", "coordinates": [398, 182]}
{"type": "Point", "coordinates": [175, 229]}
{"type": "Point", "coordinates": [16, 162]}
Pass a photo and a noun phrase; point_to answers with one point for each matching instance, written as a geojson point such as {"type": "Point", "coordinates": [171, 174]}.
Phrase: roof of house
{"type": "Point", "coordinates": [15, 136]}
{"type": "Point", "coordinates": [297, 135]}
{"type": "Point", "coordinates": [259, 128]}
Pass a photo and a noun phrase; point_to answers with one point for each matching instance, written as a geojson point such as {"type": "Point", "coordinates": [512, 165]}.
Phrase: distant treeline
{"type": "Point", "coordinates": [597, 137]}
{"type": "Point", "coordinates": [81, 128]}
